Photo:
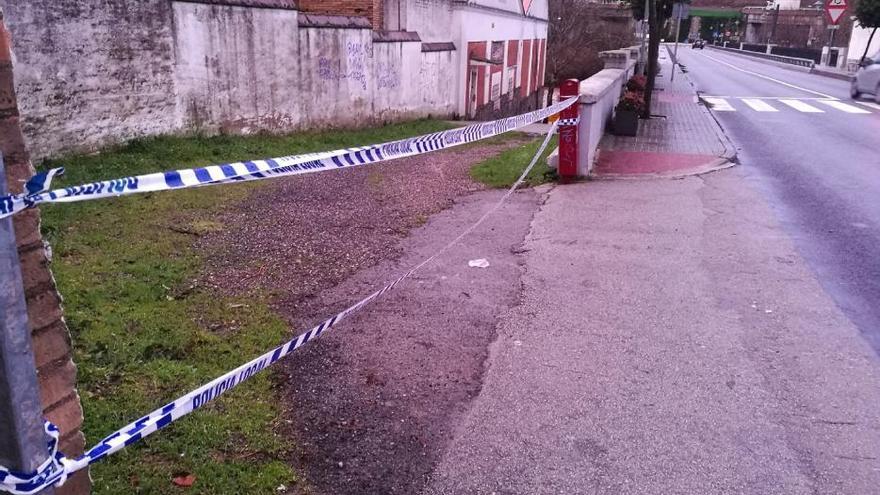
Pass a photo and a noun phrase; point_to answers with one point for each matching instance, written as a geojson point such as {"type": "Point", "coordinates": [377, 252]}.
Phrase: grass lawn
{"type": "Point", "coordinates": [143, 334]}
{"type": "Point", "coordinates": [503, 169]}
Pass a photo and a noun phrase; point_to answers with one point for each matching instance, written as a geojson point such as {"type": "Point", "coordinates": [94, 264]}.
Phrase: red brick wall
{"type": "Point", "coordinates": [371, 9]}
{"type": "Point", "coordinates": [51, 339]}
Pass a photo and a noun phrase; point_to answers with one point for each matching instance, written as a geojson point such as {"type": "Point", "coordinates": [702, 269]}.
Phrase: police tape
{"type": "Point", "coordinates": [56, 469]}
{"type": "Point", "coordinates": [37, 189]}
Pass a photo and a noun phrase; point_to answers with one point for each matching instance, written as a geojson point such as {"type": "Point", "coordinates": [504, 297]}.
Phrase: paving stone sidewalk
{"type": "Point", "coordinates": [682, 137]}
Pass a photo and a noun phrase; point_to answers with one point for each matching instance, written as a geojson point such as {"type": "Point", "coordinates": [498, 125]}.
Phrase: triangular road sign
{"type": "Point", "coordinates": [525, 5]}
{"type": "Point", "coordinates": [834, 10]}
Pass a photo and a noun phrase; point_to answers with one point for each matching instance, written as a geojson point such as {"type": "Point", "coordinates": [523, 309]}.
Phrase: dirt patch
{"type": "Point", "coordinates": [374, 403]}
{"type": "Point", "coordinates": [370, 406]}
{"type": "Point", "coordinates": [309, 233]}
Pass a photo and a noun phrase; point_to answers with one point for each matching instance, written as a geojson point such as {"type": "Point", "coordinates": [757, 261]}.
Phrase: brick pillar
{"type": "Point", "coordinates": [378, 15]}
{"type": "Point", "coordinates": [51, 339]}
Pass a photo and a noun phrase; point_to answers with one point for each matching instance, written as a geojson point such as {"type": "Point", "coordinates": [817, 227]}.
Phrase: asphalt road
{"type": "Point", "coordinates": [815, 156]}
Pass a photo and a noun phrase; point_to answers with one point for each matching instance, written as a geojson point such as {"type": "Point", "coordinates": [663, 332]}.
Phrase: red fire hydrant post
{"type": "Point", "coordinates": [568, 132]}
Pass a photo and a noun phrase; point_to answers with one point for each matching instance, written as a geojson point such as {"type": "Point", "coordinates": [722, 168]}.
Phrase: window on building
{"type": "Point", "coordinates": [497, 52]}
{"type": "Point", "coordinates": [511, 79]}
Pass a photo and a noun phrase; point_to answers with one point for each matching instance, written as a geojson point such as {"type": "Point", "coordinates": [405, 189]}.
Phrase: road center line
{"type": "Point", "coordinates": [762, 76]}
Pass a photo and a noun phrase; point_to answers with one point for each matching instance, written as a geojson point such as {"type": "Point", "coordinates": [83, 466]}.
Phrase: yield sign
{"type": "Point", "coordinates": [834, 10]}
{"type": "Point", "coordinates": [525, 5]}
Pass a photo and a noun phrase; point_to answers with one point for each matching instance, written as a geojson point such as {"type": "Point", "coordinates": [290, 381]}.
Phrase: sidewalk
{"type": "Point", "coordinates": [683, 138]}
{"type": "Point", "coordinates": [669, 340]}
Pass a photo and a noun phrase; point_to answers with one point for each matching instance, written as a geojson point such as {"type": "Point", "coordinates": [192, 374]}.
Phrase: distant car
{"type": "Point", "coordinates": [699, 44]}
{"type": "Point", "coordinates": [867, 79]}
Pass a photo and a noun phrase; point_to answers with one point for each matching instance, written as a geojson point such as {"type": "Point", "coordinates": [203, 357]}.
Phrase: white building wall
{"type": "Point", "coordinates": [859, 40]}
{"type": "Point", "coordinates": [536, 8]}
{"type": "Point", "coordinates": [432, 19]}
{"type": "Point", "coordinates": [478, 24]}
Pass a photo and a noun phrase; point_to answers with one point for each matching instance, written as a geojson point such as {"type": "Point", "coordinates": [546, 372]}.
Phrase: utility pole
{"type": "Point", "coordinates": [678, 12]}
{"type": "Point", "coordinates": [22, 438]}
{"type": "Point", "coordinates": [773, 26]}
{"type": "Point", "coordinates": [653, 53]}
{"type": "Point", "coordinates": [645, 35]}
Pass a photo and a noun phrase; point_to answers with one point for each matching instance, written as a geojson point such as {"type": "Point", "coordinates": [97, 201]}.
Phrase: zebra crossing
{"type": "Point", "coordinates": [783, 104]}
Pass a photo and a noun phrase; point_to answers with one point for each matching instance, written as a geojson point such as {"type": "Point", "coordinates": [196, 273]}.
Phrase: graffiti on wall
{"type": "Point", "coordinates": [387, 76]}
{"type": "Point", "coordinates": [355, 67]}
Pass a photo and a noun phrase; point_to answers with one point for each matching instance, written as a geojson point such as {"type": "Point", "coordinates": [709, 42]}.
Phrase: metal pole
{"type": "Point", "coordinates": [645, 36]}
{"type": "Point", "coordinates": [22, 439]}
{"type": "Point", "coordinates": [773, 28]}
{"type": "Point", "coordinates": [675, 52]}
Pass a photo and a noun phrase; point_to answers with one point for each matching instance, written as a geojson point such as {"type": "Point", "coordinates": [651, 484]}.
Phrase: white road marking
{"type": "Point", "coordinates": [762, 76]}
{"type": "Point", "coordinates": [869, 104]}
{"type": "Point", "coordinates": [719, 104]}
{"type": "Point", "coordinates": [769, 97]}
{"type": "Point", "coordinates": [800, 106]}
{"type": "Point", "coordinates": [759, 105]}
{"type": "Point", "coordinates": [844, 107]}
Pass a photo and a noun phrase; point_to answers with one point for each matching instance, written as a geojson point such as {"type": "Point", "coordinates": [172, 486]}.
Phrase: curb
{"type": "Point", "coordinates": [715, 165]}
{"type": "Point", "coordinates": [816, 70]}
{"type": "Point", "coordinates": [781, 65]}
{"type": "Point", "coordinates": [729, 149]}
{"type": "Point", "coordinates": [831, 74]}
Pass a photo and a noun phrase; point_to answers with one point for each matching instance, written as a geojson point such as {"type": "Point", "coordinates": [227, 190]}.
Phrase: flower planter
{"type": "Point", "coordinates": [626, 123]}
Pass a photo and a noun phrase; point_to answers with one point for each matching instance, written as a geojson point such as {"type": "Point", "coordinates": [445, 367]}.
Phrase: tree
{"type": "Point", "coordinates": [579, 30]}
{"type": "Point", "coordinates": [658, 12]}
{"type": "Point", "coordinates": [868, 15]}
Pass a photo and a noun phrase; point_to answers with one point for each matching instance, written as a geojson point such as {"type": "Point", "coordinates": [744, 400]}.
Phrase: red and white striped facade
{"type": "Point", "coordinates": [500, 45]}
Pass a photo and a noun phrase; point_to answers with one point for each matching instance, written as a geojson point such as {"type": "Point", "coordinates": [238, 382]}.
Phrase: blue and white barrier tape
{"type": "Point", "coordinates": [58, 467]}
{"type": "Point", "coordinates": [37, 188]}
{"type": "Point", "coordinates": [53, 471]}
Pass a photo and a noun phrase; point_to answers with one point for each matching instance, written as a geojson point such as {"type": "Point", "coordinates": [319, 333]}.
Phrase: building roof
{"type": "Point", "coordinates": [267, 4]}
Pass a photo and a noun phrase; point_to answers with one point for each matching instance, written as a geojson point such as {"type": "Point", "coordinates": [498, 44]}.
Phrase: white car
{"type": "Point", "coordinates": [867, 79]}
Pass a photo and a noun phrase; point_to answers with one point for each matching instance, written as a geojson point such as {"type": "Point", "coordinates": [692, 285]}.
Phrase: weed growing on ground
{"type": "Point", "coordinates": [503, 169]}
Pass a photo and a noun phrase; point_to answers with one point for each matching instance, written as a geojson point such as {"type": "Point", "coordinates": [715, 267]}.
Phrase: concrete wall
{"type": "Point", "coordinates": [96, 72]}
{"type": "Point", "coordinates": [236, 68]}
{"type": "Point", "coordinates": [599, 94]}
{"type": "Point", "coordinates": [432, 19]}
{"type": "Point", "coordinates": [90, 72]}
